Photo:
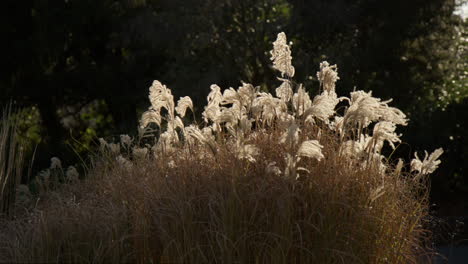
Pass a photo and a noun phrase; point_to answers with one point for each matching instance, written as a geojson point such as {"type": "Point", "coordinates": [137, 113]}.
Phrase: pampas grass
{"type": "Point", "coordinates": [265, 179]}
{"type": "Point", "coordinates": [226, 211]}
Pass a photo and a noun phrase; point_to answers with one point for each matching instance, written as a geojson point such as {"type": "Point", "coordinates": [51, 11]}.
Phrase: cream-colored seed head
{"type": "Point", "coordinates": [182, 105]}
{"type": "Point", "coordinates": [311, 149]}
{"type": "Point", "coordinates": [55, 163]}
{"type": "Point", "coordinates": [429, 164]}
{"type": "Point", "coordinates": [237, 118]}
{"type": "Point", "coordinates": [281, 56]}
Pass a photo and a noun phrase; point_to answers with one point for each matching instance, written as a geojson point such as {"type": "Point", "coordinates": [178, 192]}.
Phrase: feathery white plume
{"type": "Point", "coordinates": [171, 164]}
{"type": "Point", "coordinates": [291, 136]}
{"type": "Point", "coordinates": [328, 76]}
{"type": "Point", "coordinates": [281, 56]}
{"type": "Point", "coordinates": [194, 133]}
{"type": "Point", "coordinates": [215, 96]}
{"type": "Point", "coordinates": [43, 178]}
{"type": "Point", "coordinates": [124, 163]}
{"type": "Point", "coordinates": [125, 140]}
{"type": "Point", "coordinates": [182, 105]}
{"type": "Point", "coordinates": [247, 92]}
{"type": "Point", "coordinates": [150, 116]}
{"type": "Point", "coordinates": [203, 136]}
{"type": "Point", "coordinates": [271, 168]}
{"type": "Point", "coordinates": [114, 148]}
{"type": "Point", "coordinates": [247, 151]}
{"type": "Point", "coordinates": [72, 174]}
{"type": "Point", "coordinates": [174, 124]}
{"type": "Point", "coordinates": [311, 149]}
{"type": "Point", "coordinates": [375, 159]}
{"type": "Point", "coordinates": [245, 124]}
{"type": "Point", "coordinates": [230, 96]}
{"type": "Point", "coordinates": [356, 149]}
{"type": "Point", "coordinates": [428, 164]}
{"type": "Point", "coordinates": [337, 124]}
{"type": "Point", "coordinates": [323, 107]}
{"type": "Point", "coordinates": [301, 101]}
{"type": "Point", "coordinates": [55, 163]}
{"type": "Point", "coordinates": [165, 142]}
{"type": "Point", "coordinates": [365, 109]}
{"type": "Point", "coordinates": [265, 107]}
{"type": "Point", "coordinates": [228, 116]}
{"type": "Point", "coordinates": [399, 167]}
{"type": "Point", "coordinates": [212, 110]}
{"type": "Point", "coordinates": [291, 166]}
{"type": "Point", "coordinates": [161, 97]}
{"type": "Point", "coordinates": [208, 133]}
{"type": "Point", "coordinates": [284, 119]}
{"type": "Point", "coordinates": [385, 130]}
{"type": "Point", "coordinates": [102, 143]}
{"type": "Point", "coordinates": [284, 91]}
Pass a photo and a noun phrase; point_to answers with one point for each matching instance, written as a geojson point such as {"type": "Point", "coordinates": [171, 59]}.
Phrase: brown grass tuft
{"type": "Point", "coordinates": [230, 211]}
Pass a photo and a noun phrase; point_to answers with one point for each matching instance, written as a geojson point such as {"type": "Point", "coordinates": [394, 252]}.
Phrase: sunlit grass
{"type": "Point", "coordinates": [265, 179]}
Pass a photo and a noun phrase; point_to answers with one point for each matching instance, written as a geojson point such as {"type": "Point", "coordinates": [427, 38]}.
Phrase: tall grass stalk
{"type": "Point", "coordinates": [11, 162]}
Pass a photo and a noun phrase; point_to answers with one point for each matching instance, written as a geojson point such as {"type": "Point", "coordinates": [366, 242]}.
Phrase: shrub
{"type": "Point", "coordinates": [266, 179]}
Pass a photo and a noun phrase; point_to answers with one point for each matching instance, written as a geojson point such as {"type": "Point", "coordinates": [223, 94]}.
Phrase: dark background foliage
{"type": "Point", "coordinates": [79, 69]}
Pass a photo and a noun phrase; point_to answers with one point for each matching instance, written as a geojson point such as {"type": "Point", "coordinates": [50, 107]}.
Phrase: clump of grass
{"type": "Point", "coordinates": [225, 211]}
{"type": "Point", "coordinates": [265, 179]}
{"type": "Point", "coordinates": [11, 163]}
